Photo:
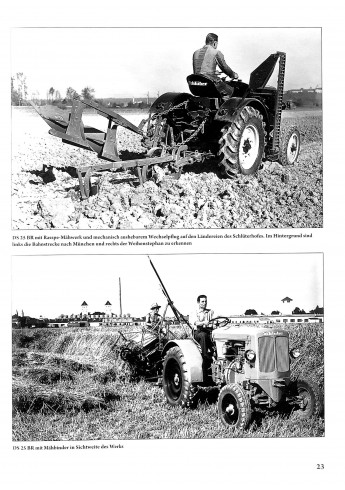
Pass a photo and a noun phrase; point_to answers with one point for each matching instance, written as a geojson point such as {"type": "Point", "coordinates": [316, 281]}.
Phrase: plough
{"type": "Point", "coordinates": [71, 129]}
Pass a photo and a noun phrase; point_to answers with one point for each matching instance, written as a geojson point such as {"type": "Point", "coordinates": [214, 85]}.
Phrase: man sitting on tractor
{"type": "Point", "coordinates": [153, 318]}
{"type": "Point", "coordinates": [207, 59]}
{"type": "Point", "coordinates": [199, 321]}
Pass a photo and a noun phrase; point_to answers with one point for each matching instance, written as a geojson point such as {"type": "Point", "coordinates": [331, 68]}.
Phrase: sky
{"type": "Point", "coordinates": [130, 62]}
{"type": "Point", "coordinates": [58, 284]}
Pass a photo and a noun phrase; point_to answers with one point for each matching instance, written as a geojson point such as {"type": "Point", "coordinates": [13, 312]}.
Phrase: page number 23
{"type": "Point", "coordinates": [320, 466]}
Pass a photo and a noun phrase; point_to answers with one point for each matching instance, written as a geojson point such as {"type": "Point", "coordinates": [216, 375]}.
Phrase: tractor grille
{"type": "Point", "coordinates": [273, 354]}
{"type": "Point", "coordinates": [266, 354]}
{"type": "Point", "coordinates": [282, 354]}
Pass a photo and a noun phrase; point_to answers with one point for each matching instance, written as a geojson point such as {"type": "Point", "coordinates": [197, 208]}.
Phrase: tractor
{"type": "Point", "coordinates": [240, 129]}
{"type": "Point", "coordinates": [237, 130]}
{"type": "Point", "coordinates": [251, 367]}
{"type": "Point", "coordinates": [248, 363]}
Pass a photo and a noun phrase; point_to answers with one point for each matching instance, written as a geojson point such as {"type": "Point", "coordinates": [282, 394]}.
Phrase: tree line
{"type": "Point", "coordinates": [19, 93]}
{"type": "Point", "coordinates": [297, 311]}
{"type": "Point", "coordinates": [19, 96]}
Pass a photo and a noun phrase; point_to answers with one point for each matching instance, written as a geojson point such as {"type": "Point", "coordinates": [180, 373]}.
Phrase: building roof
{"type": "Point", "coordinates": [287, 299]}
{"type": "Point", "coordinates": [107, 303]}
{"type": "Point", "coordinates": [84, 303]}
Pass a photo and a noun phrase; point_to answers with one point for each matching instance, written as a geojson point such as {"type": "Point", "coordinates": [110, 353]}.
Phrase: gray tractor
{"type": "Point", "coordinates": [251, 367]}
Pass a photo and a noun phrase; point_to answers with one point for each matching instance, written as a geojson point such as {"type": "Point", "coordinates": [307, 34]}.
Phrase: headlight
{"type": "Point", "coordinates": [250, 355]}
{"type": "Point", "coordinates": [294, 353]}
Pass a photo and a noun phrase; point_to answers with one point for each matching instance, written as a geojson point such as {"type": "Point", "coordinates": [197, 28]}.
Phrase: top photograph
{"type": "Point", "coordinates": [156, 128]}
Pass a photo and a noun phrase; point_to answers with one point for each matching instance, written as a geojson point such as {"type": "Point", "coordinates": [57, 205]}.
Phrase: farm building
{"type": "Point", "coordinates": [304, 318]}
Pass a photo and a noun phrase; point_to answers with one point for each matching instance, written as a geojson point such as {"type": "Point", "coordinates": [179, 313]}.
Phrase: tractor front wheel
{"type": "Point", "coordinates": [234, 407]}
{"type": "Point", "coordinates": [177, 387]}
{"type": "Point", "coordinates": [310, 399]}
{"type": "Point", "coordinates": [242, 143]}
{"type": "Point", "coordinates": [290, 146]}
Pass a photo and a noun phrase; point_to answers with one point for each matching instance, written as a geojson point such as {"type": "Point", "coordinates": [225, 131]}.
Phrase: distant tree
{"type": "Point", "coordinates": [275, 312]}
{"type": "Point", "coordinates": [250, 312]}
{"type": "Point", "coordinates": [317, 311]}
{"type": "Point", "coordinates": [71, 93]}
{"type": "Point", "coordinates": [88, 93]}
{"type": "Point", "coordinates": [51, 93]}
{"type": "Point", "coordinates": [298, 311]}
{"type": "Point", "coordinates": [15, 98]}
{"type": "Point", "coordinates": [19, 89]}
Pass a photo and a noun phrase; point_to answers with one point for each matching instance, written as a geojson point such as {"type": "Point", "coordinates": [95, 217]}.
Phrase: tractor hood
{"type": "Point", "coordinates": [236, 331]}
{"type": "Point", "coordinates": [260, 76]}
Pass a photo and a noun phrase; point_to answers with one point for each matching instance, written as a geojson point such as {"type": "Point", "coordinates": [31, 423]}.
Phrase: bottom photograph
{"type": "Point", "coordinates": [175, 346]}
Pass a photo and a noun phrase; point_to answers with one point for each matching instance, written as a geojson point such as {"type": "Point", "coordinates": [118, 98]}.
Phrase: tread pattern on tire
{"type": "Point", "coordinates": [244, 408]}
{"type": "Point", "coordinates": [187, 398]}
{"type": "Point", "coordinates": [318, 408]}
{"type": "Point", "coordinates": [284, 140]}
{"type": "Point", "coordinates": [230, 141]}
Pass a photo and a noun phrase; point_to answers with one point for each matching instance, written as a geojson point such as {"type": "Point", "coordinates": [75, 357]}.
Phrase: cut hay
{"type": "Point", "coordinates": [97, 346]}
{"type": "Point", "coordinates": [33, 338]}
{"type": "Point", "coordinates": [29, 396]}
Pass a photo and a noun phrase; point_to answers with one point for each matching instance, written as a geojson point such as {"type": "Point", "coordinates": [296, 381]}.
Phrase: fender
{"type": "Point", "coordinates": [192, 355]}
{"type": "Point", "coordinates": [228, 111]}
{"type": "Point", "coordinates": [167, 100]}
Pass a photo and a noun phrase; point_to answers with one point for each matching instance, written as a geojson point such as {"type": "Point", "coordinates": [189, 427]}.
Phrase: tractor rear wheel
{"type": "Point", "coordinates": [290, 146]}
{"type": "Point", "coordinates": [310, 399]}
{"type": "Point", "coordinates": [234, 407]}
{"type": "Point", "coordinates": [243, 143]}
{"type": "Point", "coordinates": [177, 387]}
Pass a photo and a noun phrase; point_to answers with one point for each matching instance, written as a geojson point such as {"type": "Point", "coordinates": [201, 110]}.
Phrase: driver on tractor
{"type": "Point", "coordinates": [207, 59]}
{"type": "Point", "coordinates": [202, 332]}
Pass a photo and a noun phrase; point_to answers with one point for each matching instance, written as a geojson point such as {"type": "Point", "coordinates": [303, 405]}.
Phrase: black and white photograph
{"type": "Point", "coordinates": [194, 346]}
{"type": "Point", "coordinates": [153, 128]}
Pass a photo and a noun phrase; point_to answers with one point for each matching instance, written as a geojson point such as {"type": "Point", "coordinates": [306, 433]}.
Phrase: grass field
{"type": "Point", "coordinates": [71, 385]}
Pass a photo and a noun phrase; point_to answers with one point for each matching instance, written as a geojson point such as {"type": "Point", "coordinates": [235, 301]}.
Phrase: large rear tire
{"type": "Point", "coordinates": [290, 145]}
{"type": "Point", "coordinates": [177, 387]}
{"type": "Point", "coordinates": [243, 143]}
{"type": "Point", "coordinates": [234, 407]}
{"type": "Point", "coordinates": [311, 400]}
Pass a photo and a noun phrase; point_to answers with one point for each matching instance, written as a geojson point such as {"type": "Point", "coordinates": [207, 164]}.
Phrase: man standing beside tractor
{"type": "Point", "coordinates": [208, 58]}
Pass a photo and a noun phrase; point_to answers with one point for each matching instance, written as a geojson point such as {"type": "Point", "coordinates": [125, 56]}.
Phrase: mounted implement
{"type": "Point", "coordinates": [144, 350]}
{"type": "Point", "coordinates": [237, 131]}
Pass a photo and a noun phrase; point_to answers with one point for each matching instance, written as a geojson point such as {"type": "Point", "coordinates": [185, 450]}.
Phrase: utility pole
{"type": "Point", "coordinates": [120, 297]}
{"type": "Point", "coordinates": [148, 98]}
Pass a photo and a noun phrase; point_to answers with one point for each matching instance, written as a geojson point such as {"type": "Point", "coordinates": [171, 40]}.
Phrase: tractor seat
{"type": "Point", "coordinates": [202, 86]}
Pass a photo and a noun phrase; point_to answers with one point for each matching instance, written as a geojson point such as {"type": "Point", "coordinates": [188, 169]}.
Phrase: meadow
{"type": "Point", "coordinates": [71, 384]}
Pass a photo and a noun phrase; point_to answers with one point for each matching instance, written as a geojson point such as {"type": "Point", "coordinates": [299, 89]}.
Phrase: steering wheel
{"type": "Point", "coordinates": [220, 321]}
